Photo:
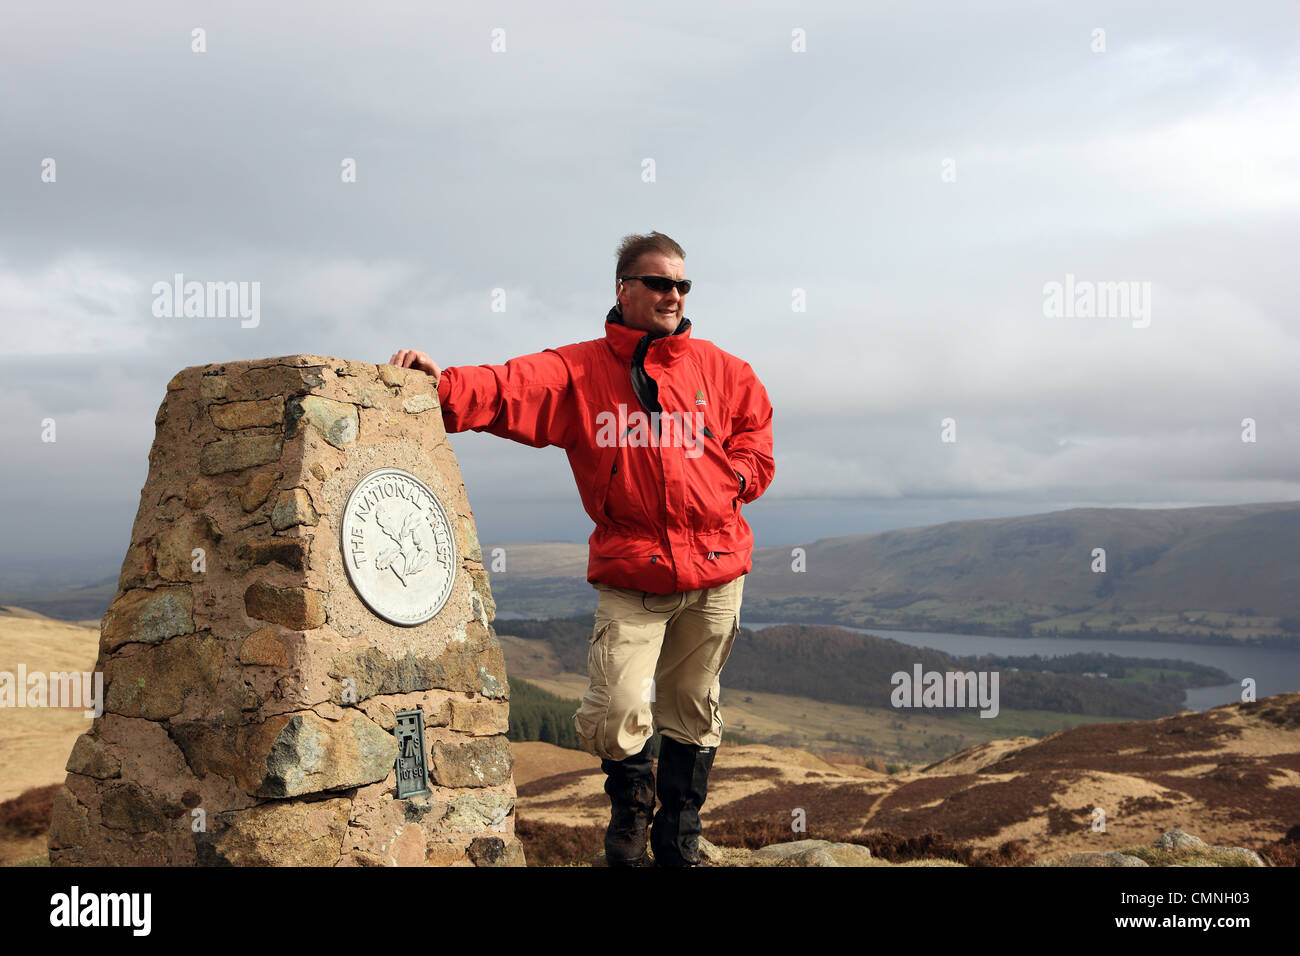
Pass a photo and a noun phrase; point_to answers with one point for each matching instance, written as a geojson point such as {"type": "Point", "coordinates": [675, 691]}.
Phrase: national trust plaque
{"type": "Point", "coordinates": [398, 547]}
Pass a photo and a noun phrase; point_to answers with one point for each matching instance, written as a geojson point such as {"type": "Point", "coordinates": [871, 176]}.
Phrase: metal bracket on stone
{"type": "Point", "coordinates": [412, 767]}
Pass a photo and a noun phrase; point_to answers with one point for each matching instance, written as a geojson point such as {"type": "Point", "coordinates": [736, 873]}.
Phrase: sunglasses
{"type": "Point", "coordinates": [663, 283]}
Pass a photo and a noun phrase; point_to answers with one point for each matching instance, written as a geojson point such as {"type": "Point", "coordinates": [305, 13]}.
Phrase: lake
{"type": "Point", "coordinates": [1275, 671]}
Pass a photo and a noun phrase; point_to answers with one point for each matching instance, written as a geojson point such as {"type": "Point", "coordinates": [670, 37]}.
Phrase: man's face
{"type": "Point", "coordinates": [647, 310]}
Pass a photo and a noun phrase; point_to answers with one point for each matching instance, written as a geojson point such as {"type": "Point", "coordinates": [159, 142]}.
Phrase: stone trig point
{"type": "Point", "coordinates": [303, 583]}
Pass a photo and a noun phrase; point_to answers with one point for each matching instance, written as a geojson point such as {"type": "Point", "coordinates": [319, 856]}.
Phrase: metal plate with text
{"type": "Point", "coordinates": [412, 769]}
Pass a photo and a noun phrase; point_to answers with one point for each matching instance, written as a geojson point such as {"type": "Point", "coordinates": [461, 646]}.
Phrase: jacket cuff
{"type": "Point", "coordinates": [444, 388]}
{"type": "Point", "coordinates": [747, 493]}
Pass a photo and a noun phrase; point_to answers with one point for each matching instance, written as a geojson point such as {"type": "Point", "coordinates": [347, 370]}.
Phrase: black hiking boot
{"type": "Point", "coordinates": [683, 785]}
{"type": "Point", "coordinates": [630, 784]}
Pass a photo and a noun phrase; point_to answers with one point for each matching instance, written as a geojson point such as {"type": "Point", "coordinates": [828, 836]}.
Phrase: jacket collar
{"type": "Point", "coordinates": [624, 341]}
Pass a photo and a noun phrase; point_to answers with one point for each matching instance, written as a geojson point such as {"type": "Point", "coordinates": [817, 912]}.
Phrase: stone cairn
{"type": "Point", "coordinates": [250, 694]}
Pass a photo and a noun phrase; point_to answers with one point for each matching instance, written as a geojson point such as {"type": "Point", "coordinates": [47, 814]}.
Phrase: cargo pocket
{"type": "Point", "coordinates": [593, 711]}
{"type": "Point", "coordinates": [730, 645]}
{"type": "Point", "coordinates": [597, 655]}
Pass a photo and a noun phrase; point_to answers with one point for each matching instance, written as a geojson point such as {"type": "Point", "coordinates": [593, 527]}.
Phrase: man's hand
{"type": "Point", "coordinates": [410, 358]}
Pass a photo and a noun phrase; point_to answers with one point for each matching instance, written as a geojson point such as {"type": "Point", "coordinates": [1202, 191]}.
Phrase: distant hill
{"type": "Point", "coordinates": [77, 603]}
{"type": "Point", "coordinates": [1216, 573]}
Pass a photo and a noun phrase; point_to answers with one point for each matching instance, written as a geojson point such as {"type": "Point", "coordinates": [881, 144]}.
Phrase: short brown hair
{"type": "Point", "coordinates": [634, 247]}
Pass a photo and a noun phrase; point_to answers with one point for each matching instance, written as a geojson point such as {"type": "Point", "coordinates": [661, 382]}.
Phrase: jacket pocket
{"type": "Point", "coordinates": [632, 561]}
{"type": "Point", "coordinates": [634, 494]}
{"type": "Point", "coordinates": [713, 488]}
{"type": "Point", "coordinates": [621, 546]}
{"type": "Point", "coordinates": [606, 468]}
{"type": "Point", "coordinates": [715, 543]}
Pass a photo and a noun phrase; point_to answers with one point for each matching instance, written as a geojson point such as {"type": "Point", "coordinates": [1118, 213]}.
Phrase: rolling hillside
{"type": "Point", "coordinates": [1230, 774]}
{"type": "Point", "coordinates": [1230, 572]}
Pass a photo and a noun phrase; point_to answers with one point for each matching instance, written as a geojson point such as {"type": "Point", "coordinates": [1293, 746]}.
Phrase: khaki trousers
{"type": "Point", "coordinates": [653, 664]}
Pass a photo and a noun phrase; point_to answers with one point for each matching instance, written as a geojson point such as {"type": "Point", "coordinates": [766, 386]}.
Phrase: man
{"type": "Point", "coordinates": [667, 436]}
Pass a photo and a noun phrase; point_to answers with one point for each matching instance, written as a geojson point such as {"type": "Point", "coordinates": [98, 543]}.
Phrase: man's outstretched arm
{"type": "Point", "coordinates": [528, 399]}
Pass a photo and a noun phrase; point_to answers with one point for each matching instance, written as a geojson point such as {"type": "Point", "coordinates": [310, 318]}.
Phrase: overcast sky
{"type": "Point", "coordinates": [921, 170]}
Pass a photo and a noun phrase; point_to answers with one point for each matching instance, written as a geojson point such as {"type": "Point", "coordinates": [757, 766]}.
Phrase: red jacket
{"type": "Point", "coordinates": [665, 499]}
